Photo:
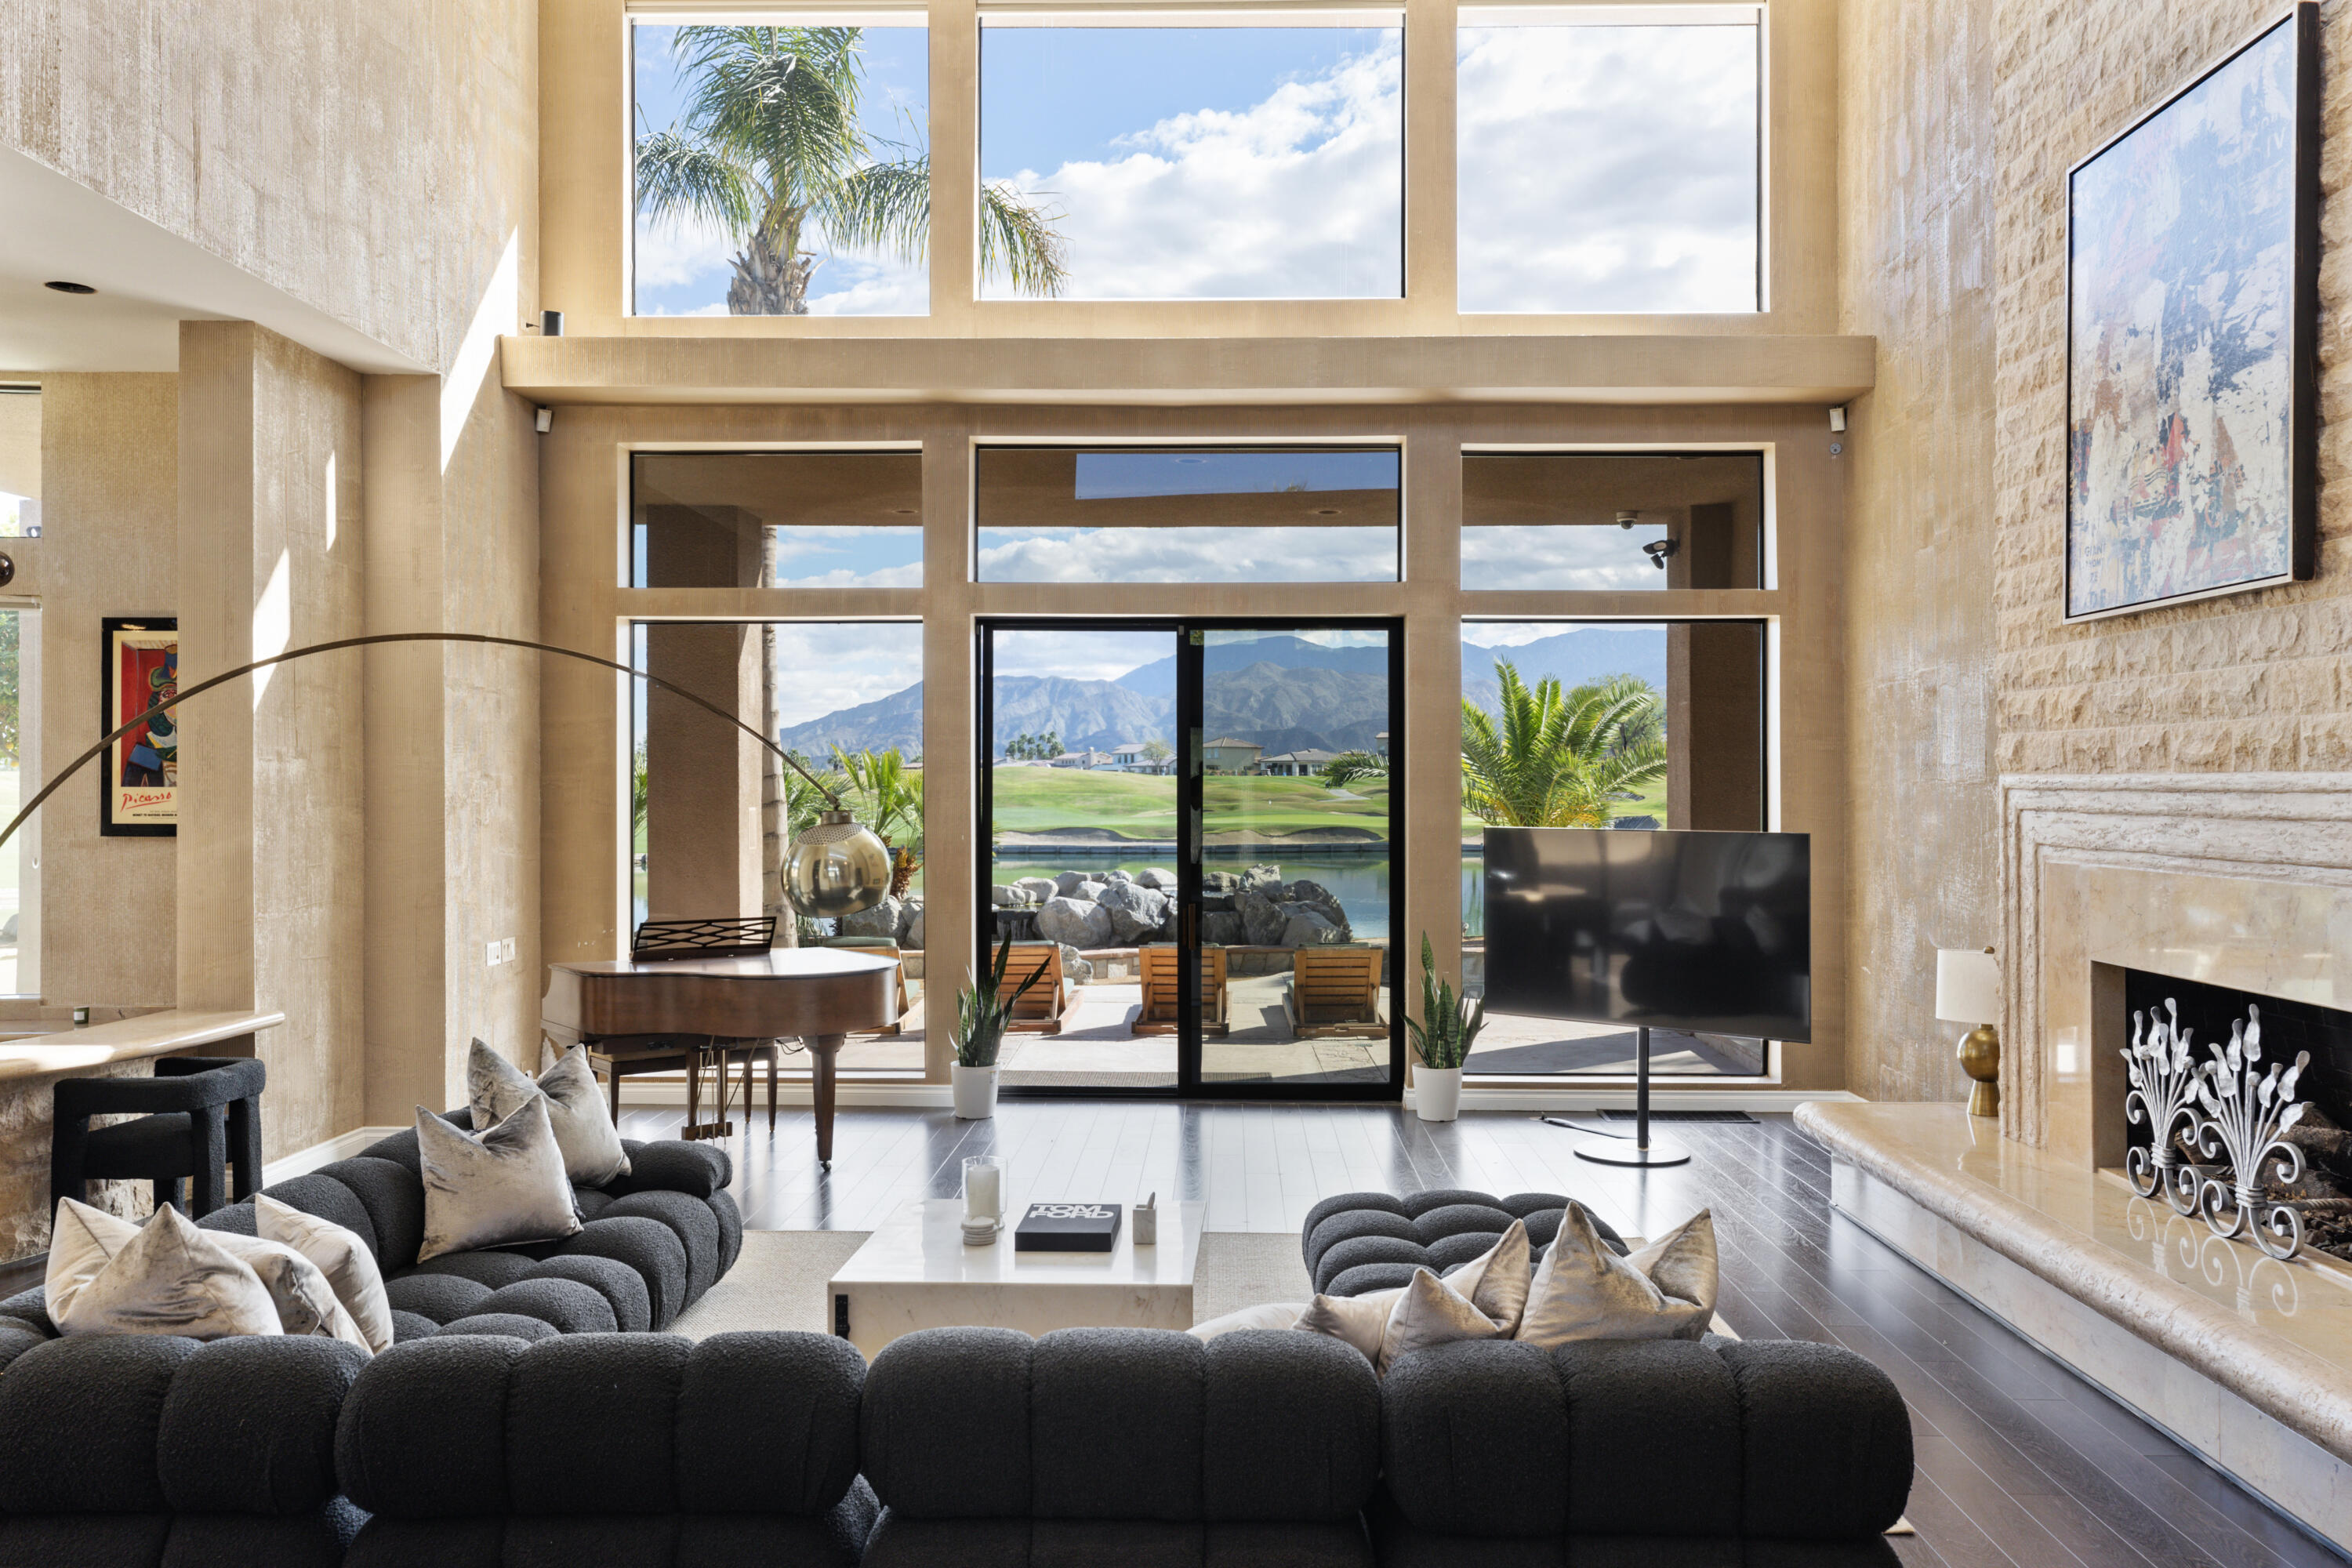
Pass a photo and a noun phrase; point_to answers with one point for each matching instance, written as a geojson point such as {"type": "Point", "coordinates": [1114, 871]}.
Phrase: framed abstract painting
{"type": "Point", "coordinates": [2193, 307]}
{"type": "Point", "coordinates": [138, 785]}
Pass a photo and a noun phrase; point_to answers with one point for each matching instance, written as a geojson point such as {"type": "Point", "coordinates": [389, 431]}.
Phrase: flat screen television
{"type": "Point", "coordinates": [1669, 928]}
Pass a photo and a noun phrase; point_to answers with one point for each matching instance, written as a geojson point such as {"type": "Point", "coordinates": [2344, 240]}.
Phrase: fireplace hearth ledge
{"type": "Point", "coordinates": [2048, 1247]}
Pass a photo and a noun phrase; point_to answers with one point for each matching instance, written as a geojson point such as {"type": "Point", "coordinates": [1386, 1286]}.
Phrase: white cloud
{"type": "Point", "coordinates": [1188, 555]}
{"type": "Point", "coordinates": [1607, 168]}
{"type": "Point", "coordinates": [1080, 655]}
{"type": "Point", "coordinates": [669, 254]}
{"type": "Point", "coordinates": [1299, 196]}
{"type": "Point", "coordinates": [828, 666]}
{"type": "Point", "coordinates": [1567, 557]}
{"type": "Point", "coordinates": [1514, 634]}
{"type": "Point", "coordinates": [700, 256]}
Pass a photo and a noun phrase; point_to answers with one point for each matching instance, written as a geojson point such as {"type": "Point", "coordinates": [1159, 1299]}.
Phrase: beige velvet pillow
{"type": "Point", "coordinates": [1497, 1281]}
{"type": "Point", "coordinates": [496, 1089]}
{"type": "Point", "coordinates": [1429, 1312]}
{"type": "Point", "coordinates": [1273, 1315]}
{"type": "Point", "coordinates": [1583, 1290]}
{"type": "Point", "coordinates": [108, 1275]}
{"type": "Point", "coordinates": [350, 1268]}
{"type": "Point", "coordinates": [298, 1288]}
{"type": "Point", "coordinates": [499, 1188]}
{"type": "Point", "coordinates": [1358, 1319]}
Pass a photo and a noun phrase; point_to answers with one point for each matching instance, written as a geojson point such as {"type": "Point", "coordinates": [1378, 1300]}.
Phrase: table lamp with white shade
{"type": "Point", "coordinates": [1968, 991]}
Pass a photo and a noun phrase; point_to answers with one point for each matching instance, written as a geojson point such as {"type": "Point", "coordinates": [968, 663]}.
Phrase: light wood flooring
{"type": "Point", "coordinates": [2019, 1462]}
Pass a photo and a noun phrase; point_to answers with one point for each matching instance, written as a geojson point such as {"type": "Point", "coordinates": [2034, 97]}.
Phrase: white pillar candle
{"type": "Point", "coordinates": [983, 1189]}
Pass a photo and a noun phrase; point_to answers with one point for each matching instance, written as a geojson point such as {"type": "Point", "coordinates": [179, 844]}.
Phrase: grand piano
{"type": "Point", "coordinates": [709, 1001]}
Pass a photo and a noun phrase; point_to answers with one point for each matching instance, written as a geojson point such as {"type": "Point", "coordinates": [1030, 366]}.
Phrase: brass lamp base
{"type": "Point", "coordinates": [1980, 1057]}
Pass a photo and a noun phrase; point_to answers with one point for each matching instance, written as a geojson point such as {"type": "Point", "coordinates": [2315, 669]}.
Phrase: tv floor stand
{"type": "Point", "coordinates": [1641, 1148]}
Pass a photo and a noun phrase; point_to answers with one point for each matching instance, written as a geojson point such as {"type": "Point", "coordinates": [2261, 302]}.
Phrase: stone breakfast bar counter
{"type": "Point", "coordinates": [30, 1066]}
{"type": "Point", "coordinates": [2244, 1359]}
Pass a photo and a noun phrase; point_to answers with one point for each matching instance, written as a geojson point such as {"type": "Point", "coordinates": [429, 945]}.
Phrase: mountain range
{"type": "Point", "coordinates": [1283, 693]}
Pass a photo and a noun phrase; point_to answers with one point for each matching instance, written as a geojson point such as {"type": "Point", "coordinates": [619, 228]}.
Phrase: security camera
{"type": "Point", "coordinates": [1657, 550]}
{"type": "Point", "coordinates": [1628, 519]}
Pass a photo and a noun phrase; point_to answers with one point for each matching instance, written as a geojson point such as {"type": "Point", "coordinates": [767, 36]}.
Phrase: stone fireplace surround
{"type": "Point", "coordinates": [2242, 881]}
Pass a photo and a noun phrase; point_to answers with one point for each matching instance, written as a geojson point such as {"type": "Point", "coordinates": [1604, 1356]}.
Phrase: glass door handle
{"type": "Point", "coordinates": [1192, 925]}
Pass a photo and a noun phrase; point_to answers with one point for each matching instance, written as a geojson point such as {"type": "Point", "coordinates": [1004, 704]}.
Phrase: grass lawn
{"type": "Point", "coordinates": [1143, 805]}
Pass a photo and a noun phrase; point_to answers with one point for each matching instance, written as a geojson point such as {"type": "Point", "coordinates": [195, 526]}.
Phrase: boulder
{"type": "Point", "coordinates": [1116, 876]}
{"type": "Point", "coordinates": [1303, 891]}
{"type": "Point", "coordinates": [1089, 890]}
{"type": "Point", "coordinates": [882, 919]}
{"type": "Point", "coordinates": [1264, 881]}
{"type": "Point", "coordinates": [1074, 923]}
{"type": "Point", "coordinates": [1224, 882]}
{"type": "Point", "coordinates": [1078, 970]}
{"type": "Point", "coordinates": [1307, 928]}
{"type": "Point", "coordinates": [1134, 910]}
{"type": "Point", "coordinates": [1037, 889]}
{"type": "Point", "coordinates": [910, 939]}
{"type": "Point", "coordinates": [1223, 928]}
{"type": "Point", "coordinates": [1069, 883]}
{"type": "Point", "coordinates": [1262, 919]}
{"type": "Point", "coordinates": [1005, 898]}
{"type": "Point", "coordinates": [1160, 881]}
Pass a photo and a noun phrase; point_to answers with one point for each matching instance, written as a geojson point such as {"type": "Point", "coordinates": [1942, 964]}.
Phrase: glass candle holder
{"type": "Point", "coordinates": [983, 1190]}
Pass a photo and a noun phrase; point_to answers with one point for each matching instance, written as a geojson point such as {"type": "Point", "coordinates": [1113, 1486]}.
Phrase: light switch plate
{"type": "Point", "coordinates": [495, 954]}
{"type": "Point", "coordinates": [507, 950]}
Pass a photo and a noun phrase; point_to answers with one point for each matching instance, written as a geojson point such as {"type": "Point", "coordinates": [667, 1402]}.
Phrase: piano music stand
{"type": "Point", "coordinates": [729, 936]}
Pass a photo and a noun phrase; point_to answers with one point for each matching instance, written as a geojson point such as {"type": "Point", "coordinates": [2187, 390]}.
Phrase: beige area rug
{"type": "Point", "coordinates": [778, 1282]}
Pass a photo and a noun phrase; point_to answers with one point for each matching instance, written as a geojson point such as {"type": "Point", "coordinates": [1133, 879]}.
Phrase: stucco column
{"type": "Point", "coordinates": [272, 771]}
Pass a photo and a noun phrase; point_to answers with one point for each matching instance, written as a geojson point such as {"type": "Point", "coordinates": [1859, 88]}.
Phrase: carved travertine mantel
{"type": "Point", "coordinates": [2241, 879]}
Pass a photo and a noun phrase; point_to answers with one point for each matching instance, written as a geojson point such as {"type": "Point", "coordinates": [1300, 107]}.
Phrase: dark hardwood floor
{"type": "Point", "coordinates": [2019, 1462]}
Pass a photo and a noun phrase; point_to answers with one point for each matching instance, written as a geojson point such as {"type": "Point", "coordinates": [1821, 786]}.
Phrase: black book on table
{"type": "Point", "coordinates": [1067, 1228]}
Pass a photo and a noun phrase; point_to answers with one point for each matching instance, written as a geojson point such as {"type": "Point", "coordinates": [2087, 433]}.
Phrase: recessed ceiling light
{"type": "Point", "coordinates": [903, 511]}
{"type": "Point", "coordinates": [1326, 512]}
{"type": "Point", "coordinates": [64, 287]}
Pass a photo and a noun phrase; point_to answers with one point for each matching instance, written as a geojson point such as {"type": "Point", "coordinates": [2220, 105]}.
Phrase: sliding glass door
{"type": "Point", "coordinates": [1189, 841]}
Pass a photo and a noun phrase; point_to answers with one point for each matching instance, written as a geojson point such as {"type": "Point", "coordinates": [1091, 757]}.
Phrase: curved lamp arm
{"type": "Point", "coordinates": [294, 653]}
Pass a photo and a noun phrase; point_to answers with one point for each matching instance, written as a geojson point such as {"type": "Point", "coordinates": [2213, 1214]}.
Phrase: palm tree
{"type": "Point", "coordinates": [769, 143]}
{"type": "Point", "coordinates": [1546, 758]}
{"type": "Point", "coordinates": [1348, 767]}
{"type": "Point", "coordinates": [892, 795]}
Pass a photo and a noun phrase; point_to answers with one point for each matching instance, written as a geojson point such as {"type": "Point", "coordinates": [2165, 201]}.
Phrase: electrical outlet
{"type": "Point", "coordinates": [495, 954]}
{"type": "Point", "coordinates": [507, 950]}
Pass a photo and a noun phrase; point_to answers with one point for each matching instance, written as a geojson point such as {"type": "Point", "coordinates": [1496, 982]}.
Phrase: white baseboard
{"type": "Point", "coordinates": [342, 1146]}
{"type": "Point", "coordinates": [1767, 1102]}
{"type": "Point", "coordinates": [908, 1093]}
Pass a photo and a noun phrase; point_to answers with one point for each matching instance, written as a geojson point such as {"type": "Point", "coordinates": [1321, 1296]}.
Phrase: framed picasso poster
{"type": "Point", "coordinates": [2193, 311]}
{"type": "Point", "coordinates": [140, 781]}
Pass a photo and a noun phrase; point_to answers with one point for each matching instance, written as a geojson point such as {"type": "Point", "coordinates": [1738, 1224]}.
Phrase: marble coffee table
{"type": "Point", "coordinates": [915, 1272]}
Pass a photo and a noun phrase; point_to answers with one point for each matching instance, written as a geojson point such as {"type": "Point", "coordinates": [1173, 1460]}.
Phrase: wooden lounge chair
{"type": "Point", "coordinates": [1157, 967]}
{"type": "Point", "coordinates": [1335, 990]}
{"type": "Point", "coordinates": [1043, 1008]}
{"type": "Point", "coordinates": [888, 948]}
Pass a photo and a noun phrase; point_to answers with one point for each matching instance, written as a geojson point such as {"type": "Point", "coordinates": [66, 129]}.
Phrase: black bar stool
{"type": "Point", "coordinates": [196, 1116]}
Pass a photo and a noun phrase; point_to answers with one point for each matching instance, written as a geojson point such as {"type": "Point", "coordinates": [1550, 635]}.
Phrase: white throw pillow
{"type": "Point", "coordinates": [498, 1188]}
{"type": "Point", "coordinates": [1360, 1321]}
{"type": "Point", "coordinates": [1431, 1312]}
{"type": "Point", "coordinates": [108, 1275]}
{"type": "Point", "coordinates": [1583, 1290]}
{"type": "Point", "coordinates": [496, 1089]}
{"type": "Point", "coordinates": [341, 1254]}
{"type": "Point", "coordinates": [1273, 1315]}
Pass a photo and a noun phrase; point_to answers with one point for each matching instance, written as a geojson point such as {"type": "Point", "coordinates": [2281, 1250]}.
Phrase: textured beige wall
{"type": "Point", "coordinates": [1916, 188]}
{"type": "Point", "coordinates": [270, 860]}
{"type": "Point", "coordinates": [358, 154]}
{"type": "Point", "coordinates": [2249, 681]}
{"type": "Point", "coordinates": [109, 548]}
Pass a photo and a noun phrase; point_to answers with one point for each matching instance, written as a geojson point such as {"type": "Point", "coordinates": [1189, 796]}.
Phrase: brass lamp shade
{"type": "Point", "coordinates": [836, 868]}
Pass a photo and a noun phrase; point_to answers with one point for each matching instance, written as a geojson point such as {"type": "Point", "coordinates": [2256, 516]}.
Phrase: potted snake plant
{"type": "Point", "coordinates": [1442, 1037]}
{"type": "Point", "coordinates": [983, 1015]}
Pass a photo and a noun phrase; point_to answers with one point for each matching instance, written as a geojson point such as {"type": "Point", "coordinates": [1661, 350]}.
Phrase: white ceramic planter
{"type": "Point", "coordinates": [975, 1091]}
{"type": "Point", "coordinates": [1437, 1093]}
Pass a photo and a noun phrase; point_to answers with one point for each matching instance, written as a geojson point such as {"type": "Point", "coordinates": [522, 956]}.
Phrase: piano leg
{"type": "Point", "coordinates": [821, 1048]}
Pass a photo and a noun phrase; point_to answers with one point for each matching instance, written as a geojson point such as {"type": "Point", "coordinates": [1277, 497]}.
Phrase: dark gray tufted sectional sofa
{"type": "Point", "coordinates": [651, 1244]}
{"type": "Point", "coordinates": [958, 1448]}
{"type": "Point", "coordinates": [1356, 1242]}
